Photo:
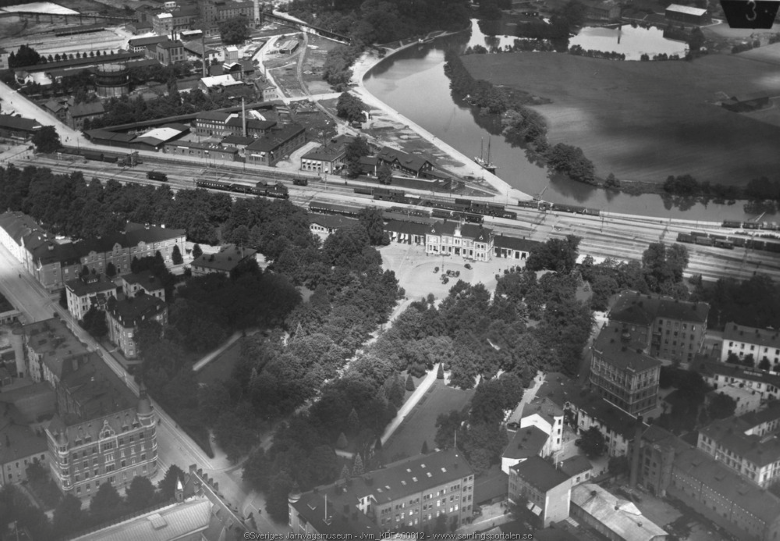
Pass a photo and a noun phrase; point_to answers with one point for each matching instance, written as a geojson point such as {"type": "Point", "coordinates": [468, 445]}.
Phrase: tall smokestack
{"type": "Point", "coordinates": [636, 453]}
{"type": "Point", "coordinates": [243, 117]}
{"type": "Point", "coordinates": [203, 46]}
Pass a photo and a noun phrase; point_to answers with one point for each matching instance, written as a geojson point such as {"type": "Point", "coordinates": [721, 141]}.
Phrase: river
{"type": "Point", "coordinates": [413, 83]}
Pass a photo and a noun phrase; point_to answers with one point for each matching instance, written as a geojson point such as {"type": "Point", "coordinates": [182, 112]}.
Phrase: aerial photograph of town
{"type": "Point", "coordinates": [389, 270]}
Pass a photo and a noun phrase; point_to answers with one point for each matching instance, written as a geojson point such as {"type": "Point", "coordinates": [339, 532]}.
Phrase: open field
{"type": "Point", "coordinates": [420, 425]}
{"type": "Point", "coordinates": [647, 120]}
{"type": "Point", "coordinates": [313, 63]}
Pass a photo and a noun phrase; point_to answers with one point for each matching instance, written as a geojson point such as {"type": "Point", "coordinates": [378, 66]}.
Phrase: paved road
{"type": "Point", "coordinates": [19, 288]}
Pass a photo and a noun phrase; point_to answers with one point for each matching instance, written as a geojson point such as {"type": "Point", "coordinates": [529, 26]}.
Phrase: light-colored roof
{"type": "Point", "coordinates": [164, 16]}
{"type": "Point", "coordinates": [220, 80]}
{"type": "Point", "coordinates": [688, 10]}
{"type": "Point", "coordinates": [620, 516]}
{"type": "Point", "coordinates": [165, 524]}
{"type": "Point", "coordinates": [163, 134]}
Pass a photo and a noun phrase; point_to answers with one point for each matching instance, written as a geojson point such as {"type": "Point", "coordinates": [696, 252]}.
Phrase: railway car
{"type": "Point", "coordinates": [528, 204]}
{"type": "Point", "coordinates": [738, 241]}
{"type": "Point", "coordinates": [732, 224]}
{"type": "Point", "coordinates": [698, 234]}
{"type": "Point", "coordinates": [772, 247]}
{"type": "Point", "coordinates": [323, 207]}
{"type": "Point", "coordinates": [93, 156]}
{"type": "Point", "coordinates": [301, 181]}
{"type": "Point", "coordinates": [509, 215]}
{"type": "Point", "coordinates": [749, 225]}
{"type": "Point", "coordinates": [723, 243]}
{"type": "Point", "coordinates": [465, 202]}
{"type": "Point", "coordinates": [755, 244]}
{"type": "Point", "coordinates": [713, 236]}
{"type": "Point", "coordinates": [364, 190]}
{"type": "Point", "coordinates": [277, 190]}
{"type": "Point", "coordinates": [544, 206]}
{"type": "Point", "coordinates": [685, 237]}
{"type": "Point", "coordinates": [592, 212]}
{"type": "Point", "coordinates": [704, 241]}
{"type": "Point", "coordinates": [211, 184]}
{"type": "Point", "coordinates": [768, 226]}
{"type": "Point", "coordinates": [240, 188]}
{"type": "Point", "coordinates": [156, 175]}
{"type": "Point", "coordinates": [441, 213]}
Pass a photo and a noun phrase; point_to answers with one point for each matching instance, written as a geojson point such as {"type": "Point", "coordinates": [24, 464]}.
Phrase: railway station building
{"type": "Point", "coordinates": [513, 248]}
{"type": "Point", "coordinates": [469, 241]}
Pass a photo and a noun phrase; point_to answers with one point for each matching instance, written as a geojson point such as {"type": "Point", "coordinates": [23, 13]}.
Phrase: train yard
{"type": "Point", "coordinates": [604, 235]}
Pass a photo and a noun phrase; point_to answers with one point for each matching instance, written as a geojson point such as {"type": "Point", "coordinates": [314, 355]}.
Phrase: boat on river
{"type": "Point", "coordinates": [484, 162]}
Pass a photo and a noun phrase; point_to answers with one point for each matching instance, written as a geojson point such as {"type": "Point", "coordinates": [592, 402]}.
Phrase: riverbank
{"type": "Point", "coordinates": [463, 165]}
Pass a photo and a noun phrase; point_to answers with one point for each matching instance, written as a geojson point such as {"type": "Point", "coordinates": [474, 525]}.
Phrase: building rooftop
{"type": "Point", "coordinates": [761, 337]}
{"type": "Point", "coordinates": [251, 123]}
{"type": "Point", "coordinates": [137, 233]}
{"type": "Point", "coordinates": [31, 402]}
{"type": "Point", "coordinates": [220, 80]}
{"type": "Point", "coordinates": [617, 349]}
{"type": "Point", "coordinates": [55, 344]}
{"type": "Point", "coordinates": [633, 307]}
{"type": "Point", "coordinates": [688, 10]}
{"type": "Point", "coordinates": [332, 221]}
{"type": "Point", "coordinates": [18, 441]}
{"type": "Point", "coordinates": [225, 260]}
{"type": "Point", "coordinates": [18, 123]}
{"type": "Point", "coordinates": [526, 443]}
{"type": "Point", "coordinates": [575, 465]}
{"type": "Point", "coordinates": [275, 138]}
{"type": "Point", "coordinates": [146, 279]}
{"type": "Point", "coordinates": [418, 226]}
{"type": "Point", "coordinates": [324, 154]}
{"type": "Point", "coordinates": [132, 311]}
{"type": "Point", "coordinates": [544, 407]}
{"type": "Point", "coordinates": [729, 485]}
{"type": "Point", "coordinates": [731, 434]}
{"type": "Point", "coordinates": [18, 225]}
{"type": "Point", "coordinates": [202, 146]}
{"type": "Point", "coordinates": [170, 44]}
{"type": "Point", "coordinates": [90, 284]}
{"type": "Point", "coordinates": [709, 368]}
{"type": "Point", "coordinates": [408, 161]}
{"type": "Point", "coordinates": [219, 116]}
{"type": "Point", "coordinates": [515, 243]}
{"type": "Point", "coordinates": [620, 516]}
{"type": "Point", "coordinates": [173, 522]}
{"type": "Point", "coordinates": [540, 474]}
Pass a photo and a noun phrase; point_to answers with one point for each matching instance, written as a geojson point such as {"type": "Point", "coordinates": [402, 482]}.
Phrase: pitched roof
{"type": "Point", "coordinates": [251, 123]}
{"type": "Point", "coordinates": [81, 287]}
{"type": "Point", "coordinates": [18, 123]}
{"type": "Point", "coordinates": [620, 353]}
{"type": "Point", "coordinates": [143, 42]}
{"type": "Point", "coordinates": [173, 522]}
{"type": "Point", "coordinates": [752, 335]}
{"type": "Point", "coordinates": [544, 407]}
{"type": "Point", "coordinates": [18, 442]}
{"type": "Point", "coordinates": [130, 312]}
{"type": "Point", "coordinates": [87, 109]}
{"type": "Point", "coordinates": [168, 44]}
{"type": "Point", "coordinates": [407, 227]}
{"type": "Point", "coordinates": [576, 465]}
{"type": "Point", "coordinates": [476, 232]}
{"type": "Point", "coordinates": [540, 474]}
{"type": "Point", "coordinates": [275, 138]}
{"type": "Point", "coordinates": [219, 116]}
{"type": "Point", "coordinates": [140, 233]}
{"type": "Point", "coordinates": [324, 154]}
{"type": "Point", "coordinates": [688, 10]}
{"type": "Point", "coordinates": [711, 369]}
{"type": "Point", "coordinates": [146, 279]}
{"type": "Point", "coordinates": [730, 434]}
{"type": "Point", "coordinates": [515, 243]}
{"type": "Point", "coordinates": [526, 443]}
{"type": "Point", "coordinates": [620, 516]}
{"type": "Point", "coordinates": [633, 307]}
{"type": "Point", "coordinates": [18, 225]}
{"type": "Point", "coordinates": [408, 161]}
{"type": "Point", "coordinates": [332, 221]}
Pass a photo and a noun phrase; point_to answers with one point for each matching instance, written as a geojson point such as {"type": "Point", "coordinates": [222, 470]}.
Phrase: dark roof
{"type": "Point", "coordinates": [131, 312]}
{"type": "Point", "coordinates": [55, 344]}
{"type": "Point", "coordinates": [275, 138]}
{"type": "Point", "coordinates": [83, 62]}
{"type": "Point", "coordinates": [730, 434]}
{"type": "Point", "coordinates": [405, 227]}
{"type": "Point", "coordinates": [170, 44]}
{"type": "Point", "coordinates": [540, 474]}
{"type": "Point", "coordinates": [476, 232]}
{"type": "Point", "coordinates": [633, 307]}
{"type": "Point", "coordinates": [106, 135]}
{"type": "Point", "coordinates": [219, 116]}
{"type": "Point", "coordinates": [251, 123]}
{"type": "Point", "coordinates": [527, 442]}
{"type": "Point", "coordinates": [614, 348]}
{"type": "Point", "coordinates": [140, 233]}
{"type": "Point", "coordinates": [515, 243]}
{"type": "Point", "coordinates": [226, 259]}
{"type": "Point", "coordinates": [146, 279]}
{"type": "Point", "coordinates": [18, 123]}
{"type": "Point", "coordinates": [143, 42]}
{"type": "Point", "coordinates": [740, 372]}
{"type": "Point", "coordinates": [18, 225]}
{"type": "Point", "coordinates": [760, 337]}
{"type": "Point", "coordinates": [543, 406]}
{"type": "Point", "coordinates": [409, 161]}
{"type": "Point", "coordinates": [575, 465]}
{"type": "Point", "coordinates": [87, 109]}
{"type": "Point", "coordinates": [202, 146]}
{"type": "Point", "coordinates": [237, 140]}
{"type": "Point", "coordinates": [490, 485]}
{"type": "Point", "coordinates": [82, 287]}
{"type": "Point", "coordinates": [332, 221]}
{"type": "Point", "coordinates": [324, 154]}
{"type": "Point", "coordinates": [18, 442]}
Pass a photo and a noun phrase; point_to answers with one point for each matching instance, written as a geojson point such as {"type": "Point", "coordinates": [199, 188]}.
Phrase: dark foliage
{"type": "Point", "coordinates": [234, 31]}
{"type": "Point", "coordinates": [46, 140]}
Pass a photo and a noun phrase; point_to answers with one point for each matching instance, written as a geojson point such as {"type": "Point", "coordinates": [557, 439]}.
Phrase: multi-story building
{"type": "Point", "coordinates": [527, 442]}
{"type": "Point", "coordinates": [470, 241]}
{"type": "Point", "coordinates": [324, 159]}
{"type": "Point", "coordinates": [138, 45]}
{"type": "Point", "coordinates": [276, 145]}
{"type": "Point", "coordinates": [745, 341]}
{"type": "Point", "coordinates": [669, 329]}
{"type": "Point", "coordinates": [79, 113]}
{"type": "Point", "coordinates": [126, 315]}
{"type": "Point", "coordinates": [20, 446]}
{"type": "Point", "coordinates": [720, 375]}
{"type": "Point", "coordinates": [215, 11]}
{"type": "Point", "coordinates": [102, 432]}
{"type": "Point", "coordinates": [52, 350]}
{"type": "Point", "coordinates": [87, 291]}
{"type": "Point", "coordinates": [622, 373]}
{"type": "Point", "coordinates": [409, 164]}
{"type": "Point", "coordinates": [205, 151]}
{"type": "Point", "coordinates": [53, 263]}
{"type": "Point", "coordinates": [410, 494]}
{"type": "Point", "coordinates": [169, 52]}
{"type": "Point", "coordinates": [223, 262]}
{"type": "Point", "coordinates": [747, 444]}
{"type": "Point", "coordinates": [747, 400]}
{"type": "Point", "coordinates": [210, 123]}
{"type": "Point", "coordinates": [254, 127]}
{"type": "Point", "coordinates": [547, 416]}
{"type": "Point", "coordinates": [545, 489]}
{"type": "Point", "coordinates": [12, 356]}
{"type": "Point", "coordinates": [146, 282]}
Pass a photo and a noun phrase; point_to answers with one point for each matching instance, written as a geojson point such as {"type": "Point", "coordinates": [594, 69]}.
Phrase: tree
{"type": "Point", "coordinates": [350, 108]}
{"type": "Point", "coordinates": [64, 298]}
{"type": "Point", "coordinates": [618, 465]}
{"type": "Point", "coordinates": [140, 493]}
{"type": "Point", "coordinates": [106, 504]}
{"type": "Point", "coordinates": [342, 442]}
{"type": "Point", "coordinates": [234, 31]}
{"type": "Point", "coordinates": [68, 516]}
{"type": "Point", "coordinates": [764, 364]}
{"type": "Point", "coordinates": [196, 251]}
{"type": "Point", "coordinates": [353, 422]}
{"type": "Point", "coordinates": [276, 503]}
{"type": "Point", "coordinates": [94, 323]}
{"type": "Point", "coordinates": [559, 255]}
{"type": "Point", "coordinates": [385, 174]}
{"type": "Point", "coordinates": [409, 383]}
{"type": "Point", "coordinates": [592, 443]}
{"type": "Point", "coordinates": [611, 181]}
{"type": "Point", "coordinates": [176, 256]}
{"type": "Point", "coordinates": [424, 450]}
{"type": "Point", "coordinates": [46, 140]}
{"type": "Point", "coordinates": [355, 150]}
{"type": "Point", "coordinates": [357, 466]}
{"type": "Point", "coordinates": [371, 219]}
{"type": "Point", "coordinates": [721, 406]}
{"type": "Point", "coordinates": [110, 270]}
{"type": "Point", "coordinates": [167, 485]}
{"type": "Point", "coordinates": [24, 56]}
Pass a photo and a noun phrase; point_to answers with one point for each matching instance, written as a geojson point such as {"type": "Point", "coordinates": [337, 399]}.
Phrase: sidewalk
{"type": "Point", "coordinates": [409, 405]}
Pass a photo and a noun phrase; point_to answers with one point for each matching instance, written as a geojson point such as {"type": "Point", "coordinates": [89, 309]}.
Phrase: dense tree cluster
{"type": "Point", "coordinates": [24, 56]}
{"type": "Point", "coordinates": [754, 302]}
{"type": "Point", "coordinates": [562, 24]}
{"type": "Point", "coordinates": [350, 108]}
{"type": "Point", "coordinates": [234, 31]}
{"type": "Point", "coordinates": [375, 21]}
{"type": "Point", "coordinates": [687, 411]}
{"type": "Point", "coordinates": [69, 518]}
{"type": "Point", "coordinates": [46, 139]}
{"type": "Point", "coordinates": [355, 150]}
{"type": "Point", "coordinates": [559, 255]}
{"type": "Point", "coordinates": [571, 160]}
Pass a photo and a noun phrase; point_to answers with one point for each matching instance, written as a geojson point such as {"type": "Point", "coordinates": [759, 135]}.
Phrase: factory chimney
{"type": "Point", "coordinates": [243, 117]}
{"type": "Point", "coordinates": [636, 451]}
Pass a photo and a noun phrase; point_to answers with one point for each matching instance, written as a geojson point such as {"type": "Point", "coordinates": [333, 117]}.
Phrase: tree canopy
{"type": "Point", "coordinates": [46, 140]}
{"type": "Point", "coordinates": [234, 31]}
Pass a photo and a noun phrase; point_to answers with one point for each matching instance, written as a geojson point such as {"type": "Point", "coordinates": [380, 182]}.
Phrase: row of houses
{"type": "Point", "coordinates": [53, 263]}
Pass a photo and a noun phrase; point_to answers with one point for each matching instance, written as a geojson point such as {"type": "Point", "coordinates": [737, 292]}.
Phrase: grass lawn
{"type": "Point", "coordinates": [221, 367]}
{"type": "Point", "coordinates": [647, 120]}
{"type": "Point", "coordinates": [420, 424]}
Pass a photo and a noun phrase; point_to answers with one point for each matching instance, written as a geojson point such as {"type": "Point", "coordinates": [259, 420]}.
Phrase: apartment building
{"type": "Point", "coordinates": [670, 329]}
{"type": "Point", "coordinates": [135, 283]}
{"type": "Point", "coordinates": [411, 494]}
{"type": "Point", "coordinates": [720, 375]}
{"type": "Point", "coordinates": [745, 341]}
{"type": "Point", "coordinates": [101, 433]}
{"type": "Point", "coordinates": [622, 373]}
{"type": "Point", "coordinates": [126, 315]}
{"type": "Point", "coordinates": [52, 350]}
{"type": "Point", "coordinates": [747, 444]}
{"type": "Point", "coordinates": [469, 241]}
{"type": "Point", "coordinates": [544, 489]}
{"type": "Point", "coordinates": [87, 291]}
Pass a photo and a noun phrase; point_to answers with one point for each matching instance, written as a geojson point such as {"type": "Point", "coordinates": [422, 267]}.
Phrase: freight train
{"type": "Point", "coordinates": [767, 226]}
{"type": "Point", "coordinates": [727, 242]}
{"type": "Point", "coordinates": [277, 190]}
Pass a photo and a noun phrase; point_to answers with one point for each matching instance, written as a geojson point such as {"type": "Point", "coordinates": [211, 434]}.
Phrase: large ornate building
{"type": "Point", "coordinates": [469, 241]}
{"type": "Point", "coordinates": [101, 433]}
